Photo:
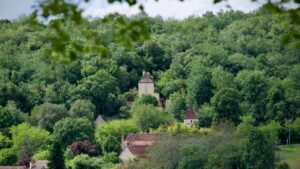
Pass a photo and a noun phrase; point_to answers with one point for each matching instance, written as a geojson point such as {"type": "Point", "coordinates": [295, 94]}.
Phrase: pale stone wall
{"type": "Point", "coordinates": [147, 88]}
{"type": "Point", "coordinates": [156, 95]}
{"type": "Point", "coordinates": [126, 155]}
{"type": "Point", "coordinates": [168, 103]}
{"type": "Point", "coordinates": [190, 122]}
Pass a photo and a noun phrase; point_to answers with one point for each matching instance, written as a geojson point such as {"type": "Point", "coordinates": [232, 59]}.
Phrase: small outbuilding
{"type": "Point", "coordinates": [100, 120]}
{"type": "Point", "coordinates": [40, 164]}
{"type": "Point", "coordinates": [190, 117]}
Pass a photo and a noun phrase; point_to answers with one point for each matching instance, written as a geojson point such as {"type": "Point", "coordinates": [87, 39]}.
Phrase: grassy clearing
{"type": "Point", "coordinates": [290, 154]}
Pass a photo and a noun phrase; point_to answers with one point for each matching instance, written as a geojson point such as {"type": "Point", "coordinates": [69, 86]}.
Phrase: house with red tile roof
{"type": "Point", "coordinates": [190, 117]}
{"type": "Point", "coordinates": [135, 145]}
{"type": "Point", "coordinates": [12, 167]}
{"type": "Point", "coordinates": [39, 164]}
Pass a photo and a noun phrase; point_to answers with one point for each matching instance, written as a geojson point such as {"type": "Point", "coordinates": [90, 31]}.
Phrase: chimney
{"type": "Point", "coordinates": [143, 72]}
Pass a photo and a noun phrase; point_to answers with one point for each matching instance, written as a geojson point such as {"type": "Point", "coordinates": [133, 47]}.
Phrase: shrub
{"type": "Point", "coordinates": [147, 99]}
{"type": "Point", "coordinates": [83, 147]}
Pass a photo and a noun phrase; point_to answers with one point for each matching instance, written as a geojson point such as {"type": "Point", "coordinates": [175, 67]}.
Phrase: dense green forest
{"type": "Point", "coordinates": [231, 67]}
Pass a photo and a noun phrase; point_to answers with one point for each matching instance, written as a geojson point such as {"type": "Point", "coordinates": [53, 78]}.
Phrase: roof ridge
{"type": "Point", "coordinates": [146, 78]}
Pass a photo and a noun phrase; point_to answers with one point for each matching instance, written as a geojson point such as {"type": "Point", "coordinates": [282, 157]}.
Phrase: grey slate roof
{"type": "Point", "coordinates": [100, 119]}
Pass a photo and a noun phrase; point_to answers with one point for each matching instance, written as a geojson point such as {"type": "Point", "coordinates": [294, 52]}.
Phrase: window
{"type": "Point", "coordinates": [146, 88]}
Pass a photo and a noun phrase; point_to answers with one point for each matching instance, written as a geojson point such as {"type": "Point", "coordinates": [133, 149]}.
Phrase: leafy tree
{"type": "Point", "coordinates": [57, 92]}
{"type": "Point", "coordinates": [68, 130]}
{"type": "Point", "coordinates": [106, 161]}
{"type": "Point", "coordinates": [226, 155]}
{"type": "Point", "coordinates": [272, 131]}
{"type": "Point", "coordinates": [56, 157]}
{"type": "Point", "coordinates": [283, 166]}
{"type": "Point", "coordinates": [47, 114]}
{"type": "Point", "coordinates": [5, 142]}
{"type": "Point", "coordinates": [281, 104]}
{"type": "Point", "coordinates": [170, 83]}
{"type": "Point", "coordinates": [82, 108]}
{"type": "Point", "coordinates": [181, 129]}
{"type": "Point", "coordinates": [28, 139]}
{"type": "Point", "coordinates": [131, 94]}
{"type": "Point", "coordinates": [18, 115]}
{"type": "Point", "coordinates": [124, 112]}
{"type": "Point", "coordinates": [239, 62]}
{"type": "Point", "coordinates": [128, 31]}
{"type": "Point", "coordinates": [226, 105]}
{"type": "Point", "coordinates": [101, 88]}
{"type": "Point", "coordinates": [164, 155]}
{"type": "Point", "coordinates": [147, 99]}
{"type": "Point", "coordinates": [111, 157]}
{"type": "Point", "coordinates": [199, 87]}
{"type": "Point", "coordinates": [6, 118]}
{"type": "Point", "coordinates": [295, 127]}
{"type": "Point", "coordinates": [222, 79]}
{"type": "Point", "coordinates": [259, 152]}
{"type": "Point", "coordinates": [42, 155]}
{"type": "Point", "coordinates": [192, 157]}
{"type": "Point", "coordinates": [177, 106]}
{"type": "Point", "coordinates": [149, 117]}
{"type": "Point", "coordinates": [83, 147]}
{"type": "Point", "coordinates": [246, 125]}
{"type": "Point", "coordinates": [84, 161]}
{"type": "Point", "coordinates": [276, 106]}
{"type": "Point", "coordinates": [8, 157]}
{"type": "Point", "coordinates": [254, 87]}
{"type": "Point", "coordinates": [205, 115]}
{"type": "Point", "coordinates": [10, 115]}
{"type": "Point", "coordinates": [155, 56]}
{"type": "Point", "coordinates": [109, 135]}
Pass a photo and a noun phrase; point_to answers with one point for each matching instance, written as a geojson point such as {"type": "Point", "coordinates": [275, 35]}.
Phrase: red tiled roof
{"type": "Point", "coordinates": [146, 78]}
{"type": "Point", "coordinates": [12, 167]}
{"type": "Point", "coordinates": [190, 114]}
{"type": "Point", "coordinates": [143, 137]}
{"type": "Point", "coordinates": [137, 150]}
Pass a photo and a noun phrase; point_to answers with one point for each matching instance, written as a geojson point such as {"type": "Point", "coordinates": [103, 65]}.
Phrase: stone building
{"type": "Point", "coordinates": [147, 86]}
{"type": "Point", "coordinates": [135, 145]}
{"type": "Point", "coordinates": [39, 164]}
{"type": "Point", "coordinates": [190, 117]}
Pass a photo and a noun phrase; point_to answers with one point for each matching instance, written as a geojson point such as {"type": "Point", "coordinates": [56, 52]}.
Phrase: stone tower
{"type": "Point", "coordinates": [146, 85]}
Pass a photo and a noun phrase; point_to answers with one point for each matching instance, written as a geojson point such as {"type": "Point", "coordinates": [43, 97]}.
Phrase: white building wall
{"type": "Point", "coordinates": [190, 122]}
{"type": "Point", "coordinates": [126, 155]}
{"type": "Point", "coordinates": [146, 88]}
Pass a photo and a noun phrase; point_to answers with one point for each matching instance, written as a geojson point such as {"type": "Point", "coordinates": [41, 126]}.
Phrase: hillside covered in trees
{"type": "Point", "coordinates": [230, 67]}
